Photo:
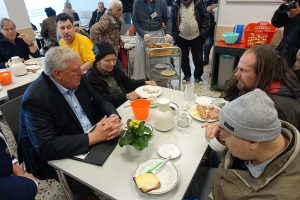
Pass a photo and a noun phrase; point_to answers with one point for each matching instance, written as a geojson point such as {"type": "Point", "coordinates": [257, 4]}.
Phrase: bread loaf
{"type": "Point", "coordinates": [147, 182]}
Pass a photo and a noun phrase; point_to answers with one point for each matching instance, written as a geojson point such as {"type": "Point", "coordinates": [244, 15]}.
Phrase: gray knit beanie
{"type": "Point", "coordinates": [252, 117]}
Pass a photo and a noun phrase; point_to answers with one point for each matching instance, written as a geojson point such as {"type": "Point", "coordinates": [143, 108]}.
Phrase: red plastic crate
{"type": "Point", "coordinates": [258, 33]}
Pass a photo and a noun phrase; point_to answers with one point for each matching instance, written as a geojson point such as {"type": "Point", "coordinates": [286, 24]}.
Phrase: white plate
{"type": "Point", "coordinates": [32, 61]}
{"type": "Point", "coordinates": [169, 149]}
{"type": "Point", "coordinates": [161, 66]}
{"type": "Point", "coordinates": [167, 175]}
{"type": "Point", "coordinates": [145, 94]}
{"type": "Point", "coordinates": [203, 100]}
{"type": "Point", "coordinates": [193, 112]}
{"type": "Point", "coordinates": [33, 67]}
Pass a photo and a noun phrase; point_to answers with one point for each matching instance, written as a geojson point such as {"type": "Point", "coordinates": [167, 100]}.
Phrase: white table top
{"type": "Point", "coordinates": [114, 178]}
{"type": "Point", "coordinates": [18, 81]}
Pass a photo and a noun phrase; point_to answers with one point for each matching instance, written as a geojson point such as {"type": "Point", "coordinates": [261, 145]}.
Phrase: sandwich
{"type": "Point", "coordinates": [207, 112]}
{"type": "Point", "coordinates": [147, 182]}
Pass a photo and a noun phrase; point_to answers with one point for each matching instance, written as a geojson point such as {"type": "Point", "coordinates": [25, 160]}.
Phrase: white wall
{"type": "Point", "coordinates": [3, 12]}
{"type": "Point", "coordinates": [17, 13]}
{"type": "Point", "coordinates": [231, 13]}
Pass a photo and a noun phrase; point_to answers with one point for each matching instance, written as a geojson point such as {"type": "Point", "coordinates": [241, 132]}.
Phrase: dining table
{"type": "Point", "coordinates": [18, 81]}
{"type": "Point", "coordinates": [114, 178]}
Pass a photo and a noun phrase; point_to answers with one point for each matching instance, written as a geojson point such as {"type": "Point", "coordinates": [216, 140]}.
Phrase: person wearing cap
{"type": "Point", "coordinates": [79, 43]}
{"type": "Point", "coordinates": [261, 67]}
{"type": "Point", "coordinates": [109, 80]}
{"type": "Point", "coordinates": [262, 157]}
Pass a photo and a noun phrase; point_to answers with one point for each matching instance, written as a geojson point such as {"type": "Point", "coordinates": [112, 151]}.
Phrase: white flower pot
{"type": "Point", "coordinates": [132, 151]}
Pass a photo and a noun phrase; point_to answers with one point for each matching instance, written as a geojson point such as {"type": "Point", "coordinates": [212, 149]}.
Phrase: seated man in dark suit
{"type": "Point", "coordinates": [57, 109]}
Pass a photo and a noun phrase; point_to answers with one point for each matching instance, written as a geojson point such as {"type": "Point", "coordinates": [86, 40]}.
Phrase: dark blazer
{"type": "Point", "coordinates": [50, 129]}
{"type": "Point", "coordinates": [100, 86]}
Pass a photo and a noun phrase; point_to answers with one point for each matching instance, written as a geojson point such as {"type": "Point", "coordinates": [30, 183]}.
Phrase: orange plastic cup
{"type": "Point", "coordinates": [140, 108]}
{"type": "Point", "coordinates": [5, 78]}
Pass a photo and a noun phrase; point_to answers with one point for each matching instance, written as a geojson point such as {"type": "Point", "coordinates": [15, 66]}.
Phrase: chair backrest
{"type": "Point", "coordinates": [11, 113]}
{"type": "Point", "coordinates": [16, 92]}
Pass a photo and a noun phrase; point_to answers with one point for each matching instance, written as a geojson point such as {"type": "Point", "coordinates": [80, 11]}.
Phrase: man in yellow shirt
{"type": "Point", "coordinates": [80, 44]}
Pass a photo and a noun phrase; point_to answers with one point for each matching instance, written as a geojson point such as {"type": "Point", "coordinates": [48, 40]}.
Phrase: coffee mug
{"type": "Point", "coordinates": [216, 145]}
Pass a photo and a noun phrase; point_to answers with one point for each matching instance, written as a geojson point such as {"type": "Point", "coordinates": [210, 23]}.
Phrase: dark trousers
{"type": "Point", "coordinates": [17, 187]}
{"type": "Point", "coordinates": [196, 46]}
{"type": "Point", "coordinates": [207, 47]}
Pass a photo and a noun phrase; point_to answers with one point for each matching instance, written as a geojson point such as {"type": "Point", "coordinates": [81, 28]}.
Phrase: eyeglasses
{"type": "Point", "coordinates": [9, 29]}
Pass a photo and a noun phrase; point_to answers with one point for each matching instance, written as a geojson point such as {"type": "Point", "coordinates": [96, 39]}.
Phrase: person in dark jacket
{"type": "Point", "coordinates": [261, 67]}
{"type": "Point", "coordinates": [127, 11]}
{"type": "Point", "coordinates": [290, 20]}
{"type": "Point", "coordinates": [97, 14]}
{"type": "Point", "coordinates": [296, 66]}
{"type": "Point", "coordinates": [190, 26]}
{"type": "Point", "coordinates": [56, 124]}
{"type": "Point", "coordinates": [15, 184]}
{"type": "Point", "coordinates": [48, 30]}
{"type": "Point", "coordinates": [14, 44]}
{"type": "Point", "coordinates": [209, 42]}
{"type": "Point", "coordinates": [109, 80]}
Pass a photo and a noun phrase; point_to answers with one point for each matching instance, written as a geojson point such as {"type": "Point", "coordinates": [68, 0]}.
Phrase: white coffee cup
{"type": "Point", "coordinates": [216, 145]}
{"type": "Point", "coordinates": [219, 102]}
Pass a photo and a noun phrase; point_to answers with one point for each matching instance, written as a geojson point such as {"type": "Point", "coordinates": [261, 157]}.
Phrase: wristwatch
{"type": "Point", "coordinates": [31, 44]}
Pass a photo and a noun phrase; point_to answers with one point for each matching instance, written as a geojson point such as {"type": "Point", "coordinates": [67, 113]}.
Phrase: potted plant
{"type": "Point", "coordinates": [136, 136]}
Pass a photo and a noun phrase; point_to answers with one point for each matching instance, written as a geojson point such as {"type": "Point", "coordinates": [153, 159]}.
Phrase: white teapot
{"type": "Point", "coordinates": [18, 68]}
{"type": "Point", "coordinates": [164, 116]}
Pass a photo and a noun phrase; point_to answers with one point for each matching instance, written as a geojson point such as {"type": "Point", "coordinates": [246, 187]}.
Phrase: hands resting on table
{"type": "Point", "coordinates": [133, 95]}
{"type": "Point", "coordinates": [108, 128]}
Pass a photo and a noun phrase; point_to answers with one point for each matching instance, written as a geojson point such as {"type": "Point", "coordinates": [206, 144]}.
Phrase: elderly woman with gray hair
{"type": "Point", "coordinates": [109, 26]}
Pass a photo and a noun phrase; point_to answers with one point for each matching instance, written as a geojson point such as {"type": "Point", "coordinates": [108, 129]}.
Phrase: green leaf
{"type": "Point", "coordinates": [126, 139]}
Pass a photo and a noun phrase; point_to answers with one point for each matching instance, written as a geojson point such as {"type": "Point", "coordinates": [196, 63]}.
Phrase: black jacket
{"type": "Point", "coordinates": [8, 50]}
{"type": "Point", "coordinates": [127, 5]}
{"type": "Point", "coordinates": [49, 128]}
{"type": "Point", "coordinates": [290, 42]}
{"type": "Point", "coordinates": [96, 17]}
{"type": "Point", "coordinates": [96, 80]}
{"type": "Point", "coordinates": [202, 17]}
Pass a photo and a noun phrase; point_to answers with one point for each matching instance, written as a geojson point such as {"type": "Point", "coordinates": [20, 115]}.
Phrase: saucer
{"type": "Point", "coordinates": [169, 149]}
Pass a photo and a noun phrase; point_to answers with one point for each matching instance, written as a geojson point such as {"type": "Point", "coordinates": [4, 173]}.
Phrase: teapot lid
{"type": "Point", "coordinates": [163, 101]}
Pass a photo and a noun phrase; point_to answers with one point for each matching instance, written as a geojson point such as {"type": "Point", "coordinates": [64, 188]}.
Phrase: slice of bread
{"type": "Point", "coordinates": [202, 111]}
{"type": "Point", "coordinates": [147, 182]}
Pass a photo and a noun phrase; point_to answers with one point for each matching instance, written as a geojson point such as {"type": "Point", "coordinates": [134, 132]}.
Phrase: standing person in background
{"type": "Point", "coordinates": [14, 44]}
{"type": "Point", "coordinates": [80, 44]}
{"type": "Point", "coordinates": [209, 42]}
{"type": "Point", "coordinates": [190, 26]}
{"type": "Point", "coordinates": [289, 18]}
{"type": "Point", "coordinates": [48, 30]}
{"type": "Point", "coordinates": [68, 10]}
{"type": "Point", "coordinates": [148, 18]}
{"type": "Point", "coordinates": [127, 11]}
{"type": "Point", "coordinates": [97, 14]}
{"type": "Point", "coordinates": [109, 27]}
